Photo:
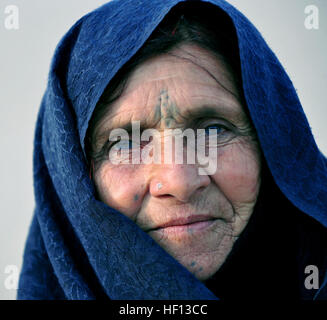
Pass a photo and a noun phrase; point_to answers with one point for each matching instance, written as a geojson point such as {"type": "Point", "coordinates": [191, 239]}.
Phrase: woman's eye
{"type": "Point", "coordinates": [125, 144]}
{"type": "Point", "coordinates": [220, 133]}
{"type": "Point", "coordinates": [122, 145]}
{"type": "Point", "coordinates": [217, 127]}
{"type": "Point", "coordinates": [121, 151]}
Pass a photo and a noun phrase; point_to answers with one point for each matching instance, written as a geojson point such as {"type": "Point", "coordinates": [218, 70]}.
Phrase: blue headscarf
{"type": "Point", "coordinates": [80, 248]}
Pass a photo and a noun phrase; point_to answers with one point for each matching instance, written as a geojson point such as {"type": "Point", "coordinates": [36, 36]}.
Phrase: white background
{"type": "Point", "coordinates": [25, 57]}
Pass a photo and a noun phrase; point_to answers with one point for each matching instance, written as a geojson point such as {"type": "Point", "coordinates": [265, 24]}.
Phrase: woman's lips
{"type": "Point", "coordinates": [189, 224]}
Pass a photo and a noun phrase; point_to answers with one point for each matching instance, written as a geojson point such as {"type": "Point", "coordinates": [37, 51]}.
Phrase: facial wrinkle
{"type": "Point", "coordinates": [204, 69]}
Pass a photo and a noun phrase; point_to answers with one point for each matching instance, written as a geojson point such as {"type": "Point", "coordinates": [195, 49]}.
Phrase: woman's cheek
{"type": "Point", "coordinates": [238, 172]}
{"type": "Point", "coordinates": [118, 187]}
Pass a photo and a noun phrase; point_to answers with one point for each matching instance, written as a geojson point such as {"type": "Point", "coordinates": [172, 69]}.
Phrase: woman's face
{"type": "Point", "coordinates": [195, 217]}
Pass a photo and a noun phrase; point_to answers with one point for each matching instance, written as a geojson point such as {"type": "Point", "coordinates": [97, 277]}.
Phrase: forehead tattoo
{"type": "Point", "coordinates": [166, 110]}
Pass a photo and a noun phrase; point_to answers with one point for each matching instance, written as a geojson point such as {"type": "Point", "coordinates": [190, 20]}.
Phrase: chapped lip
{"type": "Point", "coordinates": [184, 221]}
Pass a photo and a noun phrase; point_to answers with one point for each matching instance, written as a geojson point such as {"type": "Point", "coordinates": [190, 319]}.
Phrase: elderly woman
{"type": "Point", "coordinates": [115, 219]}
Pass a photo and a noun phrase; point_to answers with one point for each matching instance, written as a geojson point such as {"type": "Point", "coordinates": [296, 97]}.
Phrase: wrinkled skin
{"type": "Point", "coordinates": [160, 92]}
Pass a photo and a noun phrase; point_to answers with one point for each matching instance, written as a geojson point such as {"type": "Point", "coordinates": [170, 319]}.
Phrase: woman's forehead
{"type": "Point", "coordinates": [189, 76]}
{"type": "Point", "coordinates": [189, 62]}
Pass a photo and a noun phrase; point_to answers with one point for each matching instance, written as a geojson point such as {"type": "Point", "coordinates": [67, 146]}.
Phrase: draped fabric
{"type": "Point", "coordinates": [80, 248]}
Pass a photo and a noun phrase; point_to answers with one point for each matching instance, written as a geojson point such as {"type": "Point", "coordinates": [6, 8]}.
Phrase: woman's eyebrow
{"type": "Point", "coordinates": [186, 116]}
{"type": "Point", "coordinates": [213, 111]}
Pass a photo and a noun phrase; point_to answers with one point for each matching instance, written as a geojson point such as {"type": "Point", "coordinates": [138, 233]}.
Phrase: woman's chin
{"type": "Point", "coordinates": [202, 250]}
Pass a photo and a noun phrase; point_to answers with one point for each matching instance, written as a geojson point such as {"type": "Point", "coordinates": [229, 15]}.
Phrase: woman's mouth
{"type": "Point", "coordinates": [190, 224]}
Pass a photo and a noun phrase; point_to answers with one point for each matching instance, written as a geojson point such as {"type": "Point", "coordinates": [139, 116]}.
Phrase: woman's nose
{"type": "Point", "coordinates": [180, 181]}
